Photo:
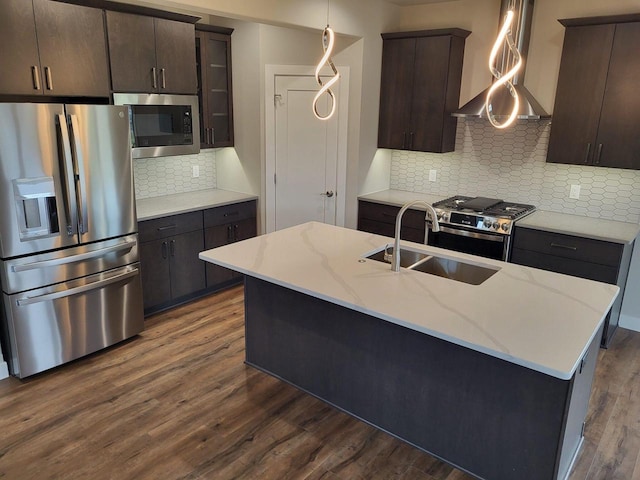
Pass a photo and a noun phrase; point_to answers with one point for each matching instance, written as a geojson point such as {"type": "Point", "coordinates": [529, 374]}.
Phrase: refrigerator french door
{"type": "Point", "coordinates": [68, 233]}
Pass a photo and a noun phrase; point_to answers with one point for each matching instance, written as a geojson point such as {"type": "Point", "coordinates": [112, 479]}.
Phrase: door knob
{"type": "Point", "coordinates": [328, 193]}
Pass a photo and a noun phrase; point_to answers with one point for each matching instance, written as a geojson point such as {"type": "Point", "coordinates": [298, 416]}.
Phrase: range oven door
{"type": "Point", "coordinates": [464, 240]}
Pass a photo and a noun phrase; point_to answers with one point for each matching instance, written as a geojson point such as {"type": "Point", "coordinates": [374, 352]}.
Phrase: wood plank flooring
{"type": "Point", "coordinates": [177, 402]}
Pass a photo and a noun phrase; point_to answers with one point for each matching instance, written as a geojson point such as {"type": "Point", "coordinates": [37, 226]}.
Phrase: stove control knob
{"type": "Point", "coordinates": [505, 227]}
{"type": "Point", "coordinates": [487, 223]}
{"type": "Point", "coordinates": [496, 225]}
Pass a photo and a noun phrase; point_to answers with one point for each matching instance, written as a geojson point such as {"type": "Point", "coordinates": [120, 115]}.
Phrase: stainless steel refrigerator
{"type": "Point", "coordinates": [68, 243]}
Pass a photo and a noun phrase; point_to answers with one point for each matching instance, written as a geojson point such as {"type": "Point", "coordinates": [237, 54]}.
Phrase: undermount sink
{"type": "Point", "coordinates": [470, 273]}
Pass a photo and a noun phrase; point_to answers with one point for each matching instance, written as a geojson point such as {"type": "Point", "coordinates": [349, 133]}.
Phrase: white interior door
{"type": "Point", "coordinates": [306, 154]}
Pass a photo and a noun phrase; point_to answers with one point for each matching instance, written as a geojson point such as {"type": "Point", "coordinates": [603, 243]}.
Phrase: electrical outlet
{"type": "Point", "coordinates": [432, 175]}
{"type": "Point", "coordinates": [574, 192]}
{"type": "Point", "coordinates": [195, 171]}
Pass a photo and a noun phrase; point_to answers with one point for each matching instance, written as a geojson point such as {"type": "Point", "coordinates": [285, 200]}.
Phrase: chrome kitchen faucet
{"type": "Point", "coordinates": [395, 262]}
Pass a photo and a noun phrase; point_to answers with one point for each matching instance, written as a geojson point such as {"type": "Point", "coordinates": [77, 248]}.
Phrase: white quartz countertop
{"type": "Point", "coordinates": [399, 197]}
{"type": "Point", "coordinates": [156, 207]}
{"type": "Point", "coordinates": [534, 318]}
{"type": "Point", "coordinates": [595, 228]}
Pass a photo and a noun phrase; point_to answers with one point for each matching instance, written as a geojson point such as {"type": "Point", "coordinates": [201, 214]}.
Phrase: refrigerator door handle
{"type": "Point", "coordinates": [69, 201]}
{"type": "Point", "coordinates": [76, 290]}
{"type": "Point", "coordinates": [75, 258]}
{"type": "Point", "coordinates": [78, 161]}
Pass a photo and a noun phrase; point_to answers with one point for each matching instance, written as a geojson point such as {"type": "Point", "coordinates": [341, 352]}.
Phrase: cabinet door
{"type": "Point", "coordinates": [244, 229]}
{"type": "Point", "coordinates": [216, 237]}
{"type": "Point", "coordinates": [19, 60]}
{"type": "Point", "coordinates": [132, 51]}
{"type": "Point", "coordinates": [73, 51]}
{"type": "Point", "coordinates": [187, 270]}
{"type": "Point", "coordinates": [581, 86]}
{"type": "Point", "coordinates": [618, 143]}
{"type": "Point", "coordinates": [430, 84]}
{"type": "Point", "coordinates": [176, 56]}
{"type": "Point", "coordinates": [214, 57]}
{"type": "Point", "coordinates": [395, 93]}
{"type": "Point", "coordinates": [156, 279]}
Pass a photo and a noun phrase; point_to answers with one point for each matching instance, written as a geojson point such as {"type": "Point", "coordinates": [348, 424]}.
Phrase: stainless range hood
{"type": "Point", "coordinates": [502, 102]}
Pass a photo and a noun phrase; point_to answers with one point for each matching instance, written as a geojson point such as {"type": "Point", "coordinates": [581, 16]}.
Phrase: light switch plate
{"type": "Point", "coordinates": [574, 192]}
{"type": "Point", "coordinates": [195, 171]}
{"type": "Point", "coordinates": [432, 175]}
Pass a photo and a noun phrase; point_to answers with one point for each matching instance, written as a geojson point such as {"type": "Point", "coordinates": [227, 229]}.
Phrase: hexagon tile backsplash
{"type": "Point", "coordinates": [511, 164]}
{"type": "Point", "coordinates": [158, 176]}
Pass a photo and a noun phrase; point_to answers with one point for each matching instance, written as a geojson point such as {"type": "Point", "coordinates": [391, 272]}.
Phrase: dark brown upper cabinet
{"type": "Point", "coordinates": [420, 89]}
{"type": "Point", "coordinates": [215, 95]}
{"type": "Point", "coordinates": [52, 48]}
{"type": "Point", "coordinates": [151, 55]}
{"type": "Point", "coordinates": [597, 107]}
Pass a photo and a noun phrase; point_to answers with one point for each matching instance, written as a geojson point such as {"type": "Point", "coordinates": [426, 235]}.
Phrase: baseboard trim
{"type": "Point", "coordinates": [629, 322]}
{"type": "Point", "coordinates": [4, 370]}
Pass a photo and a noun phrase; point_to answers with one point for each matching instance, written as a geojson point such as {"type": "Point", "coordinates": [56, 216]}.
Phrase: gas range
{"type": "Point", "coordinates": [480, 213]}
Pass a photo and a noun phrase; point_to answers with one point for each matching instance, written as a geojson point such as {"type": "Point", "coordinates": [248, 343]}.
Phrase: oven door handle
{"type": "Point", "coordinates": [465, 233]}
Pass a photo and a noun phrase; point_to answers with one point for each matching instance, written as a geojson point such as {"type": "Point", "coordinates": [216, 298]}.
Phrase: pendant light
{"type": "Point", "coordinates": [328, 40]}
{"type": "Point", "coordinates": [511, 63]}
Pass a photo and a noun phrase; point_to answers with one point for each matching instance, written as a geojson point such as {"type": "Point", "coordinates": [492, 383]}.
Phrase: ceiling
{"type": "Point", "coordinates": [416, 2]}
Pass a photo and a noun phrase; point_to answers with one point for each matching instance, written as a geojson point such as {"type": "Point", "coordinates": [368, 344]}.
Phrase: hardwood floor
{"type": "Point", "coordinates": [177, 402]}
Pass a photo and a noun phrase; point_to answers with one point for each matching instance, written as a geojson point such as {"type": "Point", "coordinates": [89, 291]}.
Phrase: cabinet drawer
{"type": "Point", "coordinates": [567, 246]}
{"type": "Point", "coordinates": [229, 213]}
{"type": "Point", "coordinates": [388, 213]}
{"type": "Point", "coordinates": [568, 266]}
{"type": "Point", "coordinates": [164, 227]}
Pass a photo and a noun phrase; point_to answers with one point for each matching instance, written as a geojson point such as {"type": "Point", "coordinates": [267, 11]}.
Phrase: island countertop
{"type": "Point", "coordinates": [537, 319]}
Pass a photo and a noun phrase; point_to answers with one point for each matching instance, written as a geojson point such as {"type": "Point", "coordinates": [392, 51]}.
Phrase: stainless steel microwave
{"type": "Point", "coordinates": [162, 125]}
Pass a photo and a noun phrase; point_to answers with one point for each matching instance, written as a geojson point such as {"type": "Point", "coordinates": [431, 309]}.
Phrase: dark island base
{"type": "Point", "coordinates": [491, 418]}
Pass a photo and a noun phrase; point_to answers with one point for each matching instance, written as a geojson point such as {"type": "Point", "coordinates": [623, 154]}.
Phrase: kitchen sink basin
{"type": "Point", "coordinates": [473, 274]}
{"type": "Point", "coordinates": [408, 258]}
{"type": "Point", "coordinates": [455, 270]}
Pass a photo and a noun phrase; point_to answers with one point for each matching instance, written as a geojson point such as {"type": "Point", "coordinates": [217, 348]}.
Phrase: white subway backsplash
{"type": "Point", "coordinates": [511, 164]}
{"type": "Point", "coordinates": [166, 175]}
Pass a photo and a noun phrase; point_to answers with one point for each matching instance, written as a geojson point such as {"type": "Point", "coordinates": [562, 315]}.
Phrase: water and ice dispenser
{"type": "Point", "coordinates": [36, 208]}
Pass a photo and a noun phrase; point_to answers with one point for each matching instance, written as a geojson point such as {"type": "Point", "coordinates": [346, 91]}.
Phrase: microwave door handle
{"type": "Point", "coordinates": [81, 184]}
{"type": "Point", "coordinates": [68, 184]}
{"type": "Point", "coordinates": [21, 302]}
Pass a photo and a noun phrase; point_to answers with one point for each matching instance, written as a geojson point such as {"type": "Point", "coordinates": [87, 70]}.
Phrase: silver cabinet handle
{"type": "Point", "coordinates": [74, 258]}
{"type": "Point", "coordinates": [75, 291]}
{"type": "Point", "coordinates": [566, 247]}
{"type": "Point", "coordinates": [599, 154]}
{"type": "Point", "coordinates": [154, 80]}
{"type": "Point", "coordinates": [48, 78]}
{"type": "Point", "coordinates": [35, 76]}
{"type": "Point", "coordinates": [586, 155]}
{"type": "Point", "coordinates": [172, 248]}
{"type": "Point", "coordinates": [164, 249]}
{"type": "Point", "coordinates": [164, 81]}
{"type": "Point", "coordinates": [328, 193]}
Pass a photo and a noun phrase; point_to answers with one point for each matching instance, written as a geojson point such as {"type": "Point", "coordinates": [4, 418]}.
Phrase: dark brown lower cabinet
{"type": "Point", "coordinates": [381, 219]}
{"type": "Point", "coordinates": [224, 225]}
{"type": "Point", "coordinates": [172, 273]}
{"type": "Point", "coordinates": [597, 260]}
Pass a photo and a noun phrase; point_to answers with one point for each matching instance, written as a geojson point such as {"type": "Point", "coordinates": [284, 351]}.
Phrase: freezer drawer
{"type": "Point", "coordinates": [56, 324]}
{"type": "Point", "coordinates": [34, 271]}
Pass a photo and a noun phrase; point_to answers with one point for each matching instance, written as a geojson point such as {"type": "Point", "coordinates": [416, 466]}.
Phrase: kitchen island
{"type": "Point", "coordinates": [493, 378]}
